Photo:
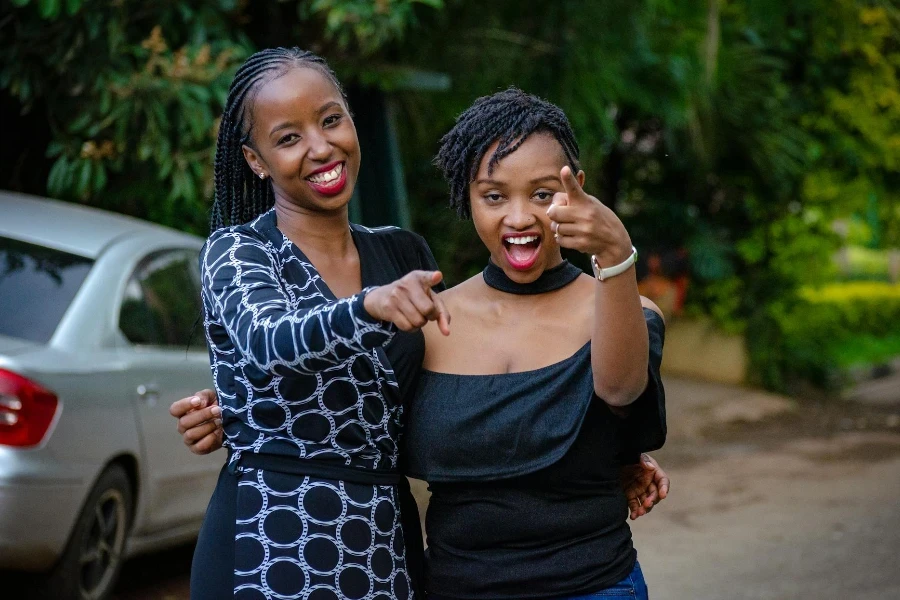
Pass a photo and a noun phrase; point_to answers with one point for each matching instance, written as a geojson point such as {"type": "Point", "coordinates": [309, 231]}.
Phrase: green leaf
{"type": "Point", "coordinates": [105, 101]}
{"type": "Point", "coordinates": [201, 94]}
{"type": "Point", "coordinates": [20, 2]}
{"type": "Point", "coordinates": [81, 122]}
{"type": "Point", "coordinates": [165, 167]}
{"type": "Point", "coordinates": [57, 177]}
{"type": "Point", "coordinates": [100, 178]}
{"type": "Point", "coordinates": [49, 9]}
{"type": "Point", "coordinates": [145, 150]}
{"type": "Point", "coordinates": [83, 186]}
{"type": "Point", "coordinates": [55, 148]}
{"type": "Point", "coordinates": [73, 6]}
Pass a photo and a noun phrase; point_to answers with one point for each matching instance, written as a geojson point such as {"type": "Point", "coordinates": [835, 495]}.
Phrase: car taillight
{"type": "Point", "coordinates": [26, 410]}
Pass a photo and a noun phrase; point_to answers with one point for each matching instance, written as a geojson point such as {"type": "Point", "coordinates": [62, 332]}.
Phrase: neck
{"type": "Point", "coordinates": [316, 232]}
{"type": "Point", "coordinates": [550, 280]}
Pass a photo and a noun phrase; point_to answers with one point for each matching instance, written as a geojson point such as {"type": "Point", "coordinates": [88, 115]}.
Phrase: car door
{"type": "Point", "coordinates": [160, 315]}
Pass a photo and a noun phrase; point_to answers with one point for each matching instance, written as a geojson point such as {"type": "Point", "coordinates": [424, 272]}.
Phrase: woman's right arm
{"type": "Point", "coordinates": [243, 292]}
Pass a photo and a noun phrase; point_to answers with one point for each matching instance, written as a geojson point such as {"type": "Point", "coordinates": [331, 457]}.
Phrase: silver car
{"type": "Point", "coordinates": [99, 333]}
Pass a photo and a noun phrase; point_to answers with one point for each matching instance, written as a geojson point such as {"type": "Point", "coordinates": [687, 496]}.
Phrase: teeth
{"type": "Point", "coordinates": [522, 240]}
{"type": "Point", "coordinates": [328, 176]}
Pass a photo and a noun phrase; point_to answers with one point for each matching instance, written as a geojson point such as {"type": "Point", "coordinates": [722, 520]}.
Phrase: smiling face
{"type": "Point", "coordinates": [304, 139]}
{"type": "Point", "coordinates": [509, 206]}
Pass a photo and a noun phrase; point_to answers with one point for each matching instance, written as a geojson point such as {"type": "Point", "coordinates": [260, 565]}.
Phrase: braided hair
{"type": "Point", "coordinates": [509, 116]}
{"type": "Point", "coordinates": [240, 196]}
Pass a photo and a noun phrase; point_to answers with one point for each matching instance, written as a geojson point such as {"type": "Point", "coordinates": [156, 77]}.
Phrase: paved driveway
{"type": "Point", "coordinates": [772, 498]}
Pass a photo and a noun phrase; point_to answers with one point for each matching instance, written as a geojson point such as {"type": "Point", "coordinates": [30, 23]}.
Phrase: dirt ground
{"type": "Point", "coordinates": [771, 498]}
{"type": "Point", "coordinates": [794, 500]}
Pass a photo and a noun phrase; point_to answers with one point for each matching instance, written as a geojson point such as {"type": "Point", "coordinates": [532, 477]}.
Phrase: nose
{"type": "Point", "coordinates": [319, 148]}
{"type": "Point", "coordinates": [520, 215]}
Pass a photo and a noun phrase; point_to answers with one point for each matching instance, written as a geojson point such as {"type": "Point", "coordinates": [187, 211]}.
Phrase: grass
{"type": "Point", "coordinates": [867, 349]}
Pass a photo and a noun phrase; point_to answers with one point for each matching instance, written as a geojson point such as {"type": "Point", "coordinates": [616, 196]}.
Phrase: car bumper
{"type": "Point", "coordinates": [36, 517]}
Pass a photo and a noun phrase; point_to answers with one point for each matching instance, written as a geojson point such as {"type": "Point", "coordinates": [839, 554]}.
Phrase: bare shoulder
{"type": "Point", "coordinates": [648, 303]}
{"type": "Point", "coordinates": [585, 286]}
{"type": "Point", "coordinates": [462, 294]}
{"type": "Point", "coordinates": [462, 303]}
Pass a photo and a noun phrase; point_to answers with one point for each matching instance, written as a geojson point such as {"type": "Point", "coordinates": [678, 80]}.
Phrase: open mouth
{"type": "Point", "coordinates": [521, 249]}
{"type": "Point", "coordinates": [329, 180]}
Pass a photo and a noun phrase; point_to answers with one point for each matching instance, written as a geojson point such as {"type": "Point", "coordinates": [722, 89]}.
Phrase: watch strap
{"type": "Point", "coordinates": [602, 274]}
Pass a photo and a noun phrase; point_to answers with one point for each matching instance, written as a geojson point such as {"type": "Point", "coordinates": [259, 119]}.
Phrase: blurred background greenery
{"type": "Point", "coordinates": [752, 147]}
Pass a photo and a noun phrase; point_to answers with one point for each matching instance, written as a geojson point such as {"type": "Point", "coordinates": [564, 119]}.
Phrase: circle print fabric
{"type": "Point", "coordinates": [311, 539]}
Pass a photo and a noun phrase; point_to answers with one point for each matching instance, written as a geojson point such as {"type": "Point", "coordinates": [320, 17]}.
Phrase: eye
{"type": "Point", "coordinates": [332, 120]}
{"type": "Point", "coordinates": [544, 196]}
{"type": "Point", "coordinates": [493, 198]}
{"type": "Point", "coordinates": [288, 138]}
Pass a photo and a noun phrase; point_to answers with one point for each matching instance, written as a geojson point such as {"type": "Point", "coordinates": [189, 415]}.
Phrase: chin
{"type": "Point", "coordinates": [320, 203]}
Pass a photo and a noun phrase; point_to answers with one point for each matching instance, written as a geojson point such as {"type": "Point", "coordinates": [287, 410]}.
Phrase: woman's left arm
{"type": "Point", "coordinates": [619, 341]}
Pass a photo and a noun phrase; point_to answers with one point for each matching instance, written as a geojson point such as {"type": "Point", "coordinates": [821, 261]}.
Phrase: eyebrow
{"type": "Point", "coordinates": [327, 106]}
{"type": "Point", "coordinates": [323, 108]}
{"type": "Point", "coordinates": [284, 125]}
{"type": "Point", "coordinates": [545, 178]}
{"type": "Point", "coordinates": [533, 181]}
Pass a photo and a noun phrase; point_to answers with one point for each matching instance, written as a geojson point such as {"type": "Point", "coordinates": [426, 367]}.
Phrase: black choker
{"type": "Point", "coordinates": [551, 279]}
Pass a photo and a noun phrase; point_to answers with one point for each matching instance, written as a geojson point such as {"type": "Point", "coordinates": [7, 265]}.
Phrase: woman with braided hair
{"type": "Point", "coordinates": [313, 331]}
{"type": "Point", "coordinates": [315, 334]}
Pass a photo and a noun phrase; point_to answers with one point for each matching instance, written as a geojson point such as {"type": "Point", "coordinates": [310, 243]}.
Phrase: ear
{"type": "Point", "coordinates": [580, 177]}
{"type": "Point", "coordinates": [254, 160]}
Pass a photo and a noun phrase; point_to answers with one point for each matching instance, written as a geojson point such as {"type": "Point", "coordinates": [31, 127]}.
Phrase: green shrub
{"type": "Point", "coordinates": [824, 332]}
{"type": "Point", "coordinates": [857, 263]}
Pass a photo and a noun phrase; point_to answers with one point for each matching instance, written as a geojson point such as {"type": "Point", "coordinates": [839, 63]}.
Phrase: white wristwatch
{"type": "Point", "coordinates": [603, 274]}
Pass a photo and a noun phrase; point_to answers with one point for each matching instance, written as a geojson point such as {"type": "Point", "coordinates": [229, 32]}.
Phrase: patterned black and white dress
{"type": "Point", "coordinates": [312, 391]}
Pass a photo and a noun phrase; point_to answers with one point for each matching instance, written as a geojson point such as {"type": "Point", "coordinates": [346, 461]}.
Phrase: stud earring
{"type": "Point", "coordinates": [262, 175]}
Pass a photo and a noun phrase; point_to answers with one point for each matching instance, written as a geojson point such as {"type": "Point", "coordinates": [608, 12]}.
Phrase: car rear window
{"type": "Point", "coordinates": [37, 285]}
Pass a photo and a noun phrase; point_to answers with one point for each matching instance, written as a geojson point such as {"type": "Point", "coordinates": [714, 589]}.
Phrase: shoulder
{"type": "Point", "coordinates": [468, 294]}
{"type": "Point", "coordinates": [408, 249]}
{"type": "Point", "coordinates": [390, 234]}
{"type": "Point", "coordinates": [652, 311]}
{"type": "Point", "coordinates": [238, 242]}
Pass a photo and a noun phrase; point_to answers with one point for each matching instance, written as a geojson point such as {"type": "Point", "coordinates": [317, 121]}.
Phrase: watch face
{"type": "Point", "coordinates": [595, 266]}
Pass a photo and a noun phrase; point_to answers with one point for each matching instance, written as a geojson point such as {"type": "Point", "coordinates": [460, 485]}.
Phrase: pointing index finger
{"type": "Point", "coordinates": [443, 317]}
{"type": "Point", "coordinates": [431, 279]}
{"type": "Point", "coordinates": [571, 185]}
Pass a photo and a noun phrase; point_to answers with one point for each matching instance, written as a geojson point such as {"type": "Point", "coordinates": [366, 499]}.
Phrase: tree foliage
{"type": "Point", "coordinates": [741, 131]}
{"type": "Point", "coordinates": [133, 90]}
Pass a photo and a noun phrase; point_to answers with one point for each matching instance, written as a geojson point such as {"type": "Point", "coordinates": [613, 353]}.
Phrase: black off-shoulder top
{"type": "Point", "coordinates": [524, 473]}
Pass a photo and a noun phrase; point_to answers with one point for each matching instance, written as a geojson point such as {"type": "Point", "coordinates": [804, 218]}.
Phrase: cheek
{"type": "Point", "coordinates": [486, 222]}
{"type": "Point", "coordinates": [543, 218]}
{"type": "Point", "coordinates": [347, 140]}
{"type": "Point", "coordinates": [285, 160]}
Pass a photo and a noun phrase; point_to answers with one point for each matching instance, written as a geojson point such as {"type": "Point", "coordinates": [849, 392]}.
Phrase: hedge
{"type": "Point", "coordinates": [828, 330]}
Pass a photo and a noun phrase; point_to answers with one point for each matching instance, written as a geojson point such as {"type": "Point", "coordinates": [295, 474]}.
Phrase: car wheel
{"type": "Point", "coordinates": [93, 557]}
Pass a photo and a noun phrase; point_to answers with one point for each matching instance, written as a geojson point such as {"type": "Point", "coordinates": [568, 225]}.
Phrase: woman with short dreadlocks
{"type": "Point", "coordinates": [522, 419]}
{"type": "Point", "coordinates": [313, 330]}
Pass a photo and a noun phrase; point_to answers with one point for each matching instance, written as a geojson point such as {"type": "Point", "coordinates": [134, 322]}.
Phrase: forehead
{"type": "Point", "coordinates": [539, 152]}
{"type": "Point", "coordinates": [301, 89]}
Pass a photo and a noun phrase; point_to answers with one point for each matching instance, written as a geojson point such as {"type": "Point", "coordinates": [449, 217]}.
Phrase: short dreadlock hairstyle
{"type": "Point", "coordinates": [509, 116]}
{"type": "Point", "coordinates": [240, 196]}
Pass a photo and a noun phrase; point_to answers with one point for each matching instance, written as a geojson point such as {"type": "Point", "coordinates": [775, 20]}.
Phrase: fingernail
{"type": "Point", "coordinates": [195, 401]}
{"type": "Point", "coordinates": [218, 422]}
{"type": "Point", "coordinates": [216, 411]}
